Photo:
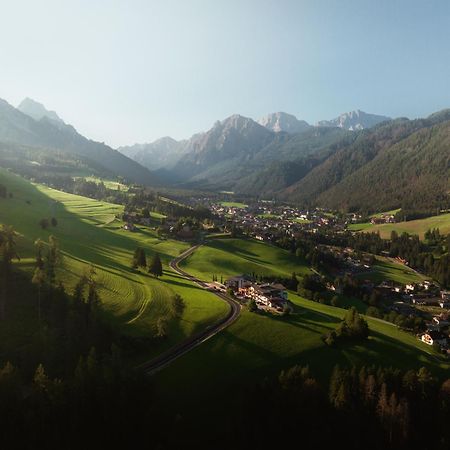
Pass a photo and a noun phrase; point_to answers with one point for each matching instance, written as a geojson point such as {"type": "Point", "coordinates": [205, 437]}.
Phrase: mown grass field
{"type": "Point", "coordinates": [228, 257]}
{"type": "Point", "coordinates": [259, 345]}
{"type": "Point", "coordinates": [359, 226]}
{"type": "Point", "coordinates": [89, 233]}
{"type": "Point", "coordinates": [234, 205]}
{"type": "Point", "coordinates": [110, 184]}
{"type": "Point", "coordinates": [389, 269]}
{"type": "Point", "coordinates": [418, 227]}
{"type": "Point", "coordinates": [386, 213]}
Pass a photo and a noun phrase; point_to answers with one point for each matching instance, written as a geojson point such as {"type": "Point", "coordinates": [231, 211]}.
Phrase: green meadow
{"type": "Point", "coordinates": [89, 232]}
{"type": "Point", "coordinates": [228, 257]}
{"type": "Point", "coordinates": [258, 345]}
{"type": "Point", "coordinates": [234, 205]}
{"type": "Point", "coordinates": [110, 184]}
{"type": "Point", "coordinates": [389, 269]}
{"type": "Point", "coordinates": [418, 227]}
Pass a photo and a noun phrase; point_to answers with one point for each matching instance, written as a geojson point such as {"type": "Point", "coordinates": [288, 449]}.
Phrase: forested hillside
{"type": "Point", "coordinates": [399, 164]}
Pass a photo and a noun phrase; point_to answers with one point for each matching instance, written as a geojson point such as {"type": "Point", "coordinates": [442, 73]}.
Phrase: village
{"type": "Point", "coordinates": [267, 221]}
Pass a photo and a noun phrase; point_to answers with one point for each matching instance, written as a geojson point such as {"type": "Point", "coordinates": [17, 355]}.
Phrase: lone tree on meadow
{"type": "Point", "coordinates": [139, 258]}
{"type": "Point", "coordinates": [155, 267]}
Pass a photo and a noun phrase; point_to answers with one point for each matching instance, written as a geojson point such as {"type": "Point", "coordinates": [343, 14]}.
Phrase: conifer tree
{"type": "Point", "coordinates": [155, 267]}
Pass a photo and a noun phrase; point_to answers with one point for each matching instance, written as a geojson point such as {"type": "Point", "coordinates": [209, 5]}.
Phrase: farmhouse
{"type": "Point", "coordinates": [434, 337]}
{"type": "Point", "coordinates": [129, 227]}
{"type": "Point", "coordinates": [272, 295]}
{"type": "Point", "coordinates": [236, 283]}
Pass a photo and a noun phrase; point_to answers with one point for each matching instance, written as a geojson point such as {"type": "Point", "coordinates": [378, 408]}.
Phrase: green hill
{"type": "Point", "coordinates": [258, 345]}
{"type": "Point", "coordinates": [89, 233]}
{"type": "Point", "coordinates": [400, 164]}
{"type": "Point", "coordinates": [418, 227]}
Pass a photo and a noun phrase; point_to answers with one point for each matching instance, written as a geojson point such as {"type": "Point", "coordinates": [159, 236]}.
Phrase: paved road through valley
{"type": "Point", "coordinates": [192, 342]}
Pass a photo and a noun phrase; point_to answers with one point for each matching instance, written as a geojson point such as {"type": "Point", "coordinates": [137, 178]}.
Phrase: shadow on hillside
{"type": "Point", "coordinates": [181, 284]}
{"type": "Point", "coordinates": [229, 340]}
{"type": "Point", "coordinates": [79, 237]}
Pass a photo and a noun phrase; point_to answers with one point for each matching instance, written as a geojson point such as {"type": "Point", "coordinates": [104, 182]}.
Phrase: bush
{"type": "Point", "coordinates": [335, 301]}
{"type": "Point", "coordinates": [44, 223]}
{"type": "Point", "coordinates": [287, 309]}
{"type": "Point", "coordinates": [252, 306]}
{"type": "Point", "coordinates": [372, 311]}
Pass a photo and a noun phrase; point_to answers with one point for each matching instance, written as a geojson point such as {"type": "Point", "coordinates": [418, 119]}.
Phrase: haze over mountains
{"type": "Point", "coordinates": [356, 161]}
{"type": "Point", "coordinates": [236, 144]}
{"type": "Point", "coordinates": [354, 120]}
{"type": "Point", "coordinates": [282, 121]}
{"type": "Point", "coordinates": [33, 126]}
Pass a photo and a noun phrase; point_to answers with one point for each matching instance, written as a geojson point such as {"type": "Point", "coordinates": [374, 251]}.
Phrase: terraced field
{"type": "Point", "coordinates": [89, 233]}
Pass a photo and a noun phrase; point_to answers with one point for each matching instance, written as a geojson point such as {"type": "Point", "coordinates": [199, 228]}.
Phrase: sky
{"type": "Point", "coordinates": [135, 70]}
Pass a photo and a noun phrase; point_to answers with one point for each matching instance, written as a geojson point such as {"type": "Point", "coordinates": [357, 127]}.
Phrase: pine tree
{"type": "Point", "coordinates": [8, 253]}
{"type": "Point", "coordinates": [39, 279]}
{"type": "Point", "coordinates": [135, 259]}
{"type": "Point", "coordinates": [155, 267]}
{"type": "Point", "coordinates": [39, 244]}
{"type": "Point", "coordinates": [52, 258]}
{"type": "Point", "coordinates": [142, 259]}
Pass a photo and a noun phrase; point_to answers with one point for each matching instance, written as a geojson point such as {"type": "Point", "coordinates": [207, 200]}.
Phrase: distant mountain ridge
{"type": "Point", "coordinates": [194, 158]}
{"type": "Point", "coordinates": [282, 121]}
{"type": "Point", "coordinates": [403, 163]}
{"type": "Point", "coordinates": [163, 152]}
{"type": "Point", "coordinates": [48, 131]}
{"type": "Point", "coordinates": [354, 120]}
{"type": "Point", "coordinates": [37, 111]}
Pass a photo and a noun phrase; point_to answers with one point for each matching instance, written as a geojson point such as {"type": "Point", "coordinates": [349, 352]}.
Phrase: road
{"type": "Point", "coordinates": [192, 342]}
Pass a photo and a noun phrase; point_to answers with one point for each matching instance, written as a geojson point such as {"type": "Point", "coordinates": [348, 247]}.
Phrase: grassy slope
{"type": "Point", "coordinates": [89, 233]}
{"type": "Point", "coordinates": [388, 269]}
{"type": "Point", "coordinates": [234, 205]}
{"type": "Point", "coordinates": [258, 345]}
{"type": "Point", "coordinates": [229, 257]}
{"type": "Point", "coordinates": [412, 227]}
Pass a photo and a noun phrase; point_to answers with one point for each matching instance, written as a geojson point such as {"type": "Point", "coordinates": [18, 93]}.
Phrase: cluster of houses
{"type": "Point", "coordinates": [266, 295]}
{"type": "Point", "coordinates": [384, 218]}
{"type": "Point", "coordinates": [425, 293]}
{"type": "Point", "coordinates": [437, 332]}
{"type": "Point", "coordinates": [266, 221]}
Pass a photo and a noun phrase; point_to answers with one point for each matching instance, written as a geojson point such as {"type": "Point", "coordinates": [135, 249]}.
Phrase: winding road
{"type": "Point", "coordinates": [189, 344]}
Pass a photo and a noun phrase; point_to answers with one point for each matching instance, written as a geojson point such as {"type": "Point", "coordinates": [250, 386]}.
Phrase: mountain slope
{"type": "Point", "coordinates": [19, 128]}
{"type": "Point", "coordinates": [162, 153]}
{"type": "Point", "coordinates": [235, 139]}
{"type": "Point", "coordinates": [358, 173]}
{"type": "Point", "coordinates": [354, 120]}
{"type": "Point", "coordinates": [412, 174]}
{"type": "Point", "coordinates": [37, 111]}
{"type": "Point", "coordinates": [282, 121]}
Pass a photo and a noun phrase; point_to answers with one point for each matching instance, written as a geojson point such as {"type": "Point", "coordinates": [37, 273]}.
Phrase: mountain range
{"type": "Point", "coordinates": [33, 126]}
{"type": "Point", "coordinates": [354, 120]}
{"type": "Point", "coordinates": [357, 161]}
{"type": "Point", "coordinates": [166, 152]}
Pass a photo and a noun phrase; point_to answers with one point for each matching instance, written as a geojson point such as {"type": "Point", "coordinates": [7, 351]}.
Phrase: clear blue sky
{"type": "Point", "coordinates": [132, 71]}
